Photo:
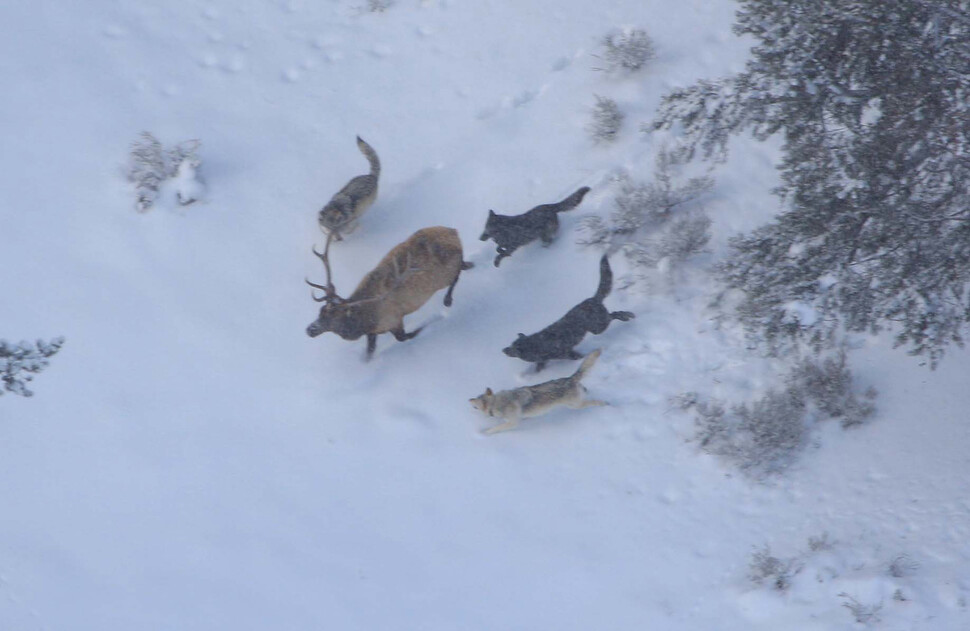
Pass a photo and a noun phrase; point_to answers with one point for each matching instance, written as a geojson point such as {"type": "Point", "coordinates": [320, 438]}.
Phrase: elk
{"type": "Point", "coordinates": [429, 260]}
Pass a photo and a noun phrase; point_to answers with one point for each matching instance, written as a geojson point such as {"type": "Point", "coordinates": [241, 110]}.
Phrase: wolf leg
{"type": "Point", "coordinates": [502, 253]}
{"type": "Point", "coordinates": [549, 231]}
{"type": "Point", "coordinates": [371, 345]}
{"type": "Point", "coordinates": [588, 403]}
{"type": "Point", "coordinates": [504, 427]}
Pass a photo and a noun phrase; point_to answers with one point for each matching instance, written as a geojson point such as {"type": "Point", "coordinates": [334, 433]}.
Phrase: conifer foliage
{"type": "Point", "coordinates": [872, 100]}
{"type": "Point", "coordinates": [20, 362]}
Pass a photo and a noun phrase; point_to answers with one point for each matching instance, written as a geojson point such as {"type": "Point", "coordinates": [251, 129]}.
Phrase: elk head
{"type": "Point", "coordinates": [336, 314]}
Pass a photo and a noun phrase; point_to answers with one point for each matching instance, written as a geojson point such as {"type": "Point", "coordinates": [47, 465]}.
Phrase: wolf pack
{"type": "Point", "coordinates": [430, 260]}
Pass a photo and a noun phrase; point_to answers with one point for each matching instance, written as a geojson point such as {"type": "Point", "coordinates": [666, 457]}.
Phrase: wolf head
{"type": "Point", "coordinates": [516, 348]}
{"type": "Point", "coordinates": [486, 234]}
{"type": "Point", "coordinates": [336, 213]}
{"type": "Point", "coordinates": [483, 402]}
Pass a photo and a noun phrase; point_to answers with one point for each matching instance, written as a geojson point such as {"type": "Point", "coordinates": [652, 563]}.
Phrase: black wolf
{"type": "Point", "coordinates": [557, 340]}
{"type": "Point", "coordinates": [510, 232]}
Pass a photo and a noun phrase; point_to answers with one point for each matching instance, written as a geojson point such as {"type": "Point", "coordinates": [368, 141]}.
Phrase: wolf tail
{"type": "Point", "coordinates": [572, 201]}
{"type": "Point", "coordinates": [371, 155]}
{"type": "Point", "coordinates": [606, 279]}
{"type": "Point", "coordinates": [588, 362]}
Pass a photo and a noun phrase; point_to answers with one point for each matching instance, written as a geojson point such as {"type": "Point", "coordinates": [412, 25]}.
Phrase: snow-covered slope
{"type": "Point", "coordinates": [192, 460]}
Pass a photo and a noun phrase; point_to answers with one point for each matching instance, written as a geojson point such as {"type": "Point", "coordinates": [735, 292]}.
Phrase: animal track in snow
{"type": "Point", "coordinates": [512, 102]}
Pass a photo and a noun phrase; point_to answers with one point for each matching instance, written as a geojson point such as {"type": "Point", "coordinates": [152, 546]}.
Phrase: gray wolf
{"type": "Point", "coordinates": [405, 279]}
{"type": "Point", "coordinates": [528, 401]}
{"type": "Point", "coordinates": [557, 340]}
{"type": "Point", "coordinates": [510, 232]}
{"type": "Point", "coordinates": [342, 211]}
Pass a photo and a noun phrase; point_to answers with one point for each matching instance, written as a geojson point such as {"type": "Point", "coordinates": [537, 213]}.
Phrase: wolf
{"type": "Point", "coordinates": [557, 340]}
{"type": "Point", "coordinates": [536, 400]}
{"type": "Point", "coordinates": [342, 211]}
{"type": "Point", "coordinates": [510, 232]}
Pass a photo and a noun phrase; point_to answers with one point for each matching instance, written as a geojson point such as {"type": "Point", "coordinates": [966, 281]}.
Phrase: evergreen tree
{"type": "Point", "coordinates": [19, 363]}
{"type": "Point", "coordinates": [872, 99]}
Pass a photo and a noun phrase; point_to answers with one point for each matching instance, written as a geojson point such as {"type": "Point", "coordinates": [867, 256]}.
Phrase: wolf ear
{"type": "Point", "coordinates": [491, 213]}
{"type": "Point", "coordinates": [521, 335]}
{"type": "Point", "coordinates": [488, 391]}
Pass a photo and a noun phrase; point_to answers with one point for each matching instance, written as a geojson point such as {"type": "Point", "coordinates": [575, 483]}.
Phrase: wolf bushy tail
{"type": "Point", "coordinates": [606, 279]}
{"type": "Point", "coordinates": [371, 155]}
{"type": "Point", "coordinates": [572, 201]}
{"type": "Point", "coordinates": [588, 362]}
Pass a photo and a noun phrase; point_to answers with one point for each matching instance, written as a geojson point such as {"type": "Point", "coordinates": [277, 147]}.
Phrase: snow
{"type": "Point", "coordinates": [191, 460]}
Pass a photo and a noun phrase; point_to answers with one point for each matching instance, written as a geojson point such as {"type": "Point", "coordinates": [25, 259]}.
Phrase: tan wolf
{"type": "Point", "coordinates": [536, 400]}
{"type": "Point", "coordinates": [342, 211]}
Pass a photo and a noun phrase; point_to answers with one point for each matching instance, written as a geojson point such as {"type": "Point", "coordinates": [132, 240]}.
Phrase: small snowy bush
{"type": "Point", "coordinates": [379, 6]}
{"type": "Point", "coordinates": [862, 613]}
{"type": "Point", "coordinates": [653, 224]}
{"type": "Point", "coordinates": [606, 120]}
{"type": "Point", "coordinates": [152, 168]}
{"type": "Point", "coordinates": [766, 569]}
{"type": "Point", "coordinates": [627, 50]}
{"type": "Point", "coordinates": [764, 436]}
{"type": "Point", "coordinates": [902, 566]}
{"type": "Point", "coordinates": [827, 578]}
{"type": "Point", "coordinates": [828, 386]}
{"type": "Point", "coordinates": [20, 362]}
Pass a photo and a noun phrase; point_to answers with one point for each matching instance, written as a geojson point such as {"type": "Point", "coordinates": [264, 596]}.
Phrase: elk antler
{"type": "Point", "coordinates": [330, 292]}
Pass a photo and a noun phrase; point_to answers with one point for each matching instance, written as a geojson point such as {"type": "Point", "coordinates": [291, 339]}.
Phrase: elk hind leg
{"type": "Point", "coordinates": [451, 288]}
{"type": "Point", "coordinates": [401, 336]}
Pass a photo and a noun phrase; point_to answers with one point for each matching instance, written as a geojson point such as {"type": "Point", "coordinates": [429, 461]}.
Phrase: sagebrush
{"type": "Point", "coordinates": [150, 165]}
{"type": "Point", "coordinates": [626, 50]}
{"type": "Point", "coordinates": [379, 6]}
{"type": "Point", "coordinates": [766, 569]}
{"type": "Point", "coordinates": [606, 120]}
{"type": "Point", "coordinates": [764, 436]}
{"type": "Point", "coordinates": [662, 221]}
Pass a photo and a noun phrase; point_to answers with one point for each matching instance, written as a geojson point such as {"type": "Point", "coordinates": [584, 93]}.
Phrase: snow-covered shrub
{"type": "Point", "coordinates": [20, 362]}
{"type": "Point", "coordinates": [819, 543]}
{"type": "Point", "coordinates": [771, 430]}
{"type": "Point", "coordinates": [764, 436]}
{"type": "Point", "coordinates": [862, 613]}
{"type": "Point", "coordinates": [379, 6]}
{"type": "Point", "coordinates": [627, 50]}
{"type": "Point", "coordinates": [151, 168]}
{"type": "Point", "coordinates": [902, 565]}
{"type": "Point", "coordinates": [767, 569]}
{"type": "Point", "coordinates": [606, 120]}
{"type": "Point", "coordinates": [654, 223]}
{"type": "Point", "coordinates": [820, 582]}
{"type": "Point", "coordinates": [828, 386]}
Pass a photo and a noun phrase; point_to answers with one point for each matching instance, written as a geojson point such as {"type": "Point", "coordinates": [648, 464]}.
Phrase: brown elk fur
{"type": "Point", "coordinates": [431, 259]}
